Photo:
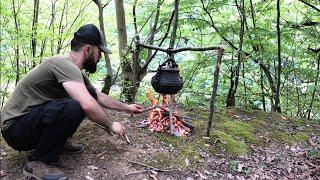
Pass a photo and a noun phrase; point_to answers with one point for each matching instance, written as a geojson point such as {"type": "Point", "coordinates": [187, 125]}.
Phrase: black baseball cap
{"type": "Point", "coordinates": [90, 34]}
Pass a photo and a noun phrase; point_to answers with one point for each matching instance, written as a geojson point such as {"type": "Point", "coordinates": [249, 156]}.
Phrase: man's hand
{"type": "Point", "coordinates": [134, 108]}
{"type": "Point", "coordinates": [117, 128]}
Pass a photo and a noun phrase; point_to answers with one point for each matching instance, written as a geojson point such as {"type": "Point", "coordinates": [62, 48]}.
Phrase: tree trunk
{"type": "Point", "coordinates": [16, 49]}
{"type": "Point", "coordinates": [234, 81]}
{"type": "Point", "coordinates": [263, 68]}
{"type": "Point", "coordinates": [277, 95]}
{"type": "Point", "coordinates": [53, 17]}
{"type": "Point", "coordinates": [138, 70]}
{"type": "Point", "coordinates": [175, 24]}
{"type": "Point", "coordinates": [34, 31]}
{"type": "Point", "coordinates": [154, 29]}
{"type": "Point", "coordinates": [44, 42]}
{"type": "Point", "coordinates": [61, 28]}
{"type": "Point", "coordinates": [108, 79]}
{"type": "Point", "coordinates": [4, 93]}
{"type": "Point", "coordinates": [262, 90]}
{"type": "Point", "coordinates": [125, 63]}
{"type": "Point", "coordinates": [315, 87]}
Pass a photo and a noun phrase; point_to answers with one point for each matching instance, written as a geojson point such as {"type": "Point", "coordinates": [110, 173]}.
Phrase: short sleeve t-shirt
{"type": "Point", "coordinates": [41, 84]}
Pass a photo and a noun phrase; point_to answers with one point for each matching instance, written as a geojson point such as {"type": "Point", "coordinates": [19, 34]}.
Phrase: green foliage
{"type": "Point", "coordinates": [314, 153]}
{"type": "Point", "coordinates": [233, 165]}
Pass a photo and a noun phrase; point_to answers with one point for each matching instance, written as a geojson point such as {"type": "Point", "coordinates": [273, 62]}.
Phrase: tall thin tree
{"type": "Point", "coordinates": [234, 79]}
{"type": "Point", "coordinates": [315, 87]}
{"type": "Point", "coordinates": [108, 79]}
{"type": "Point", "coordinates": [34, 31]}
{"type": "Point", "coordinates": [278, 69]}
{"type": "Point", "coordinates": [125, 63]}
{"type": "Point", "coordinates": [17, 30]}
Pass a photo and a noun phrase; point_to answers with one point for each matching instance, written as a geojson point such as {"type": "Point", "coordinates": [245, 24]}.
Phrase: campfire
{"type": "Point", "coordinates": [165, 117]}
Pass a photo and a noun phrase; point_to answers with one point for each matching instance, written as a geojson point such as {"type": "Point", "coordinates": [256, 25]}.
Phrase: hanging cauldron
{"type": "Point", "coordinates": [167, 80]}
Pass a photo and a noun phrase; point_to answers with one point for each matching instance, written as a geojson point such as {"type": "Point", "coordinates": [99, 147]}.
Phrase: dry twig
{"type": "Point", "coordinates": [151, 167]}
{"type": "Point", "coordinates": [137, 172]}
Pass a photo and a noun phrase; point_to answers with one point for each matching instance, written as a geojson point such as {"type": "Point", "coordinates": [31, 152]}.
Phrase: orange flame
{"type": "Point", "coordinates": [153, 100]}
{"type": "Point", "coordinates": [158, 119]}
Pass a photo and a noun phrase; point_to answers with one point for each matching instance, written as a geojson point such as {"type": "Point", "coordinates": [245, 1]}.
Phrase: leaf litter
{"type": "Point", "coordinates": [105, 157]}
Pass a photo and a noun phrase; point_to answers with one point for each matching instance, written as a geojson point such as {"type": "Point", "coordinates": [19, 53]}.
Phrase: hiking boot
{"type": "Point", "coordinates": [73, 148]}
{"type": "Point", "coordinates": [42, 171]}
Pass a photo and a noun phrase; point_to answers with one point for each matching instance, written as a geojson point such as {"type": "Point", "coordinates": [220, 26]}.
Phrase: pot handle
{"type": "Point", "coordinates": [170, 61]}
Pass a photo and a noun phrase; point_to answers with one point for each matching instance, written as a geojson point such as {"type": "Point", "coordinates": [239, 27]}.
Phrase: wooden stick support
{"type": "Point", "coordinates": [171, 117]}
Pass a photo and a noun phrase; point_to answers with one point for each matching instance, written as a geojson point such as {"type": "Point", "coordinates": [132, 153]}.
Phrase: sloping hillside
{"type": "Point", "coordinates": [243, 144]}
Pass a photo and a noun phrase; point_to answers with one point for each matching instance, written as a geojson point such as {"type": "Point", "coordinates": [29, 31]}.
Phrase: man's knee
{"type": "Point", "coordinates": [74, 109]}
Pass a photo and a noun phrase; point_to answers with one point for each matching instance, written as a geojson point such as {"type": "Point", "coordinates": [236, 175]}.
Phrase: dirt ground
{"type": "Point", "coordinates": [107, 157]}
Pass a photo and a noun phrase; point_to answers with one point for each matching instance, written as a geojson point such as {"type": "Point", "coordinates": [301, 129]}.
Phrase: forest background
{"type": "Point", "coordinates": [271, 60]}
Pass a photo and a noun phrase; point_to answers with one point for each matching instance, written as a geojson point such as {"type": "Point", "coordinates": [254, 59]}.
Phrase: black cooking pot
{"type": "Point", "coordinates": [167, 79]}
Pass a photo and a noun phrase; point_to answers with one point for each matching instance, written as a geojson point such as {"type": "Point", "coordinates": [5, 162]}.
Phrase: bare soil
{"type": "Point", "coordinates": [107, 157]}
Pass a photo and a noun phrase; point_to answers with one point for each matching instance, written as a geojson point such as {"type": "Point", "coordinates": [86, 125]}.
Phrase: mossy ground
{"type": "Point", "coordinates": [234, 132]}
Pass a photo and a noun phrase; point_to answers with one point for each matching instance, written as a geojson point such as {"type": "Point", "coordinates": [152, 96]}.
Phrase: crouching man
{"type": "Point", "coordinates": [50, 102]}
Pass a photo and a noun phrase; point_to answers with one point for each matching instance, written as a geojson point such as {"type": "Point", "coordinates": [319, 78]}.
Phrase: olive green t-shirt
{"type": "Point", "coordinates": [41, 84]}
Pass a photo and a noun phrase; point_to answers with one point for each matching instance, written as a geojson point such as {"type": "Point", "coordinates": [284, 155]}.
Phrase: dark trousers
{"type": "Point", "coordinates": [45, 128]}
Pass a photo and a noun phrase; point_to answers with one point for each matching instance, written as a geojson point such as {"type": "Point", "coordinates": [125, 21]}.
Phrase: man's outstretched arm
{"type": "Point", "coordinates": [107, 102]}
{"type": "Point", "coordinates": [91, 107]}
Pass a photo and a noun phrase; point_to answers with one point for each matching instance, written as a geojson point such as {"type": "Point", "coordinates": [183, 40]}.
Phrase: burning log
{"type": "Point", "coordinates": [160, 116]}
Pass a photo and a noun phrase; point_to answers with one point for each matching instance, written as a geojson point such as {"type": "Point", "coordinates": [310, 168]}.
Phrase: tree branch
{"type": "Point", "coordinates": [310, 5]}
{"type": "Point", "coordinates": [165, 36]}
{"type": "Point", "coordinates": [314, 50]}
{"type": "Point", "coordinates": [168, 50]}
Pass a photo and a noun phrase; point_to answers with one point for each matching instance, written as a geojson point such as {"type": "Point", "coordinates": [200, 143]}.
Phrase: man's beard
{"type": "Point", "coordinates": [89, 64]}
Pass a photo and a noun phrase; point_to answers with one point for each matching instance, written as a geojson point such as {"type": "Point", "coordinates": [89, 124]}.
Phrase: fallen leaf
{"type": "Point", "coordinates": [153, 176]}
{"type": "Point", "coordinates": [89, 178]}
{"type": "Point", "coordinates": [201, 175]}
{"type": "Point", "coordinates": [203, 154]}
{"type": "Point", "coordinates": [311, 142]}
{"type": "Point", "coordinates": [293, 149]}
{"type": "Point", "coordinates": [230, 176]}
{"type": "Point", "coordinates": [270, 158]}
{"type": "Point", "coordinates": [2, 174]}
{"type": "Point", "coordinates": [154, 172]}
{"type": "Point", "coordinates": [3, 153]}
{"type": "Point", "coordinates": [207, 172]}
{"type": "Point", "coordinates": [240, 166]}
{"type": "Point", "coordinates": [187, 162]}
{"type": "Point", "coordinates": [236, 116]}
{"type": "Point", "coordinates": [92, 167]}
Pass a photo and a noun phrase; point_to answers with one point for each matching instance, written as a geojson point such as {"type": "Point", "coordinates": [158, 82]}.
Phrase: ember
{"type": "Point", "coordinates": [165, 118]}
